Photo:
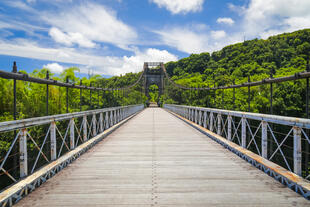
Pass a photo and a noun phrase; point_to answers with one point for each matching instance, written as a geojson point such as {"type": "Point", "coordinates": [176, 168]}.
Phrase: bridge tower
{"type": "Point", "coordinates": [153, 73]}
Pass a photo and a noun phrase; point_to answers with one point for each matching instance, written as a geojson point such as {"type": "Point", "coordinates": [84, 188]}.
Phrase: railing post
{"type": "Point", "coordinates": [118, 115]}
{"type": "Point", "coordinates": [67, 96]}
{"type": "Point", "coordinates": [85, 128]}
{"type": "Point", "coordinates": [80, 96]}
{"type": "Point", "coordinates": [14, 92]}
{"type": "Point", "coordinates": [47, 94]}
{"type": "Point", "coordinates": [111, 118]}
{"type": "Point", "coordinates": [229, 127]}
{"type": "Point", "coordinates": [199, 117]}
{"type": "Point", "coordinates": [23, 157]}
{"type": "Point", "coordinates": [196, 116]}
{"type": "Point", "coordinates": [191, 114]}
{"type": "Point", "coordinates": [219, 117]}
{"type": "Point", "coordinates": [53, 141]}
{"type": "Point", "coordinates": [243, 132]}
{"type": "Point", "coordinates": [264, 140]}
{"type": "Point", "coordinates": [106, 120]}
{"type": "Point", "coordinates": [187, 113]}
{"type": "Point", "coordinates": [72, 140]}
{"type": "Point", "coordinates": [297, 151]}
{"type": "Point", "coordinates": [211, 122]}
{"type": "Point", "coordinates": [205, 119]}
{"type": "Point", "coordinates": [94, 125]}
{"type": "Point", "coordinates": [249, 95]}
{"type": "Point", "coordinates": [90, 96]}
{"type": "Point", "coordinates": [101, 122]}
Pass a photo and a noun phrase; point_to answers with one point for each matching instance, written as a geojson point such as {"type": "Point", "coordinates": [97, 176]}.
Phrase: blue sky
{"type": "Point", "coordinates": [113, 37]}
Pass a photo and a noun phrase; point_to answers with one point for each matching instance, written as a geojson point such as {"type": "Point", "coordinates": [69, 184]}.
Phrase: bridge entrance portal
{"type": "Point", "coordinates": [153, 75]}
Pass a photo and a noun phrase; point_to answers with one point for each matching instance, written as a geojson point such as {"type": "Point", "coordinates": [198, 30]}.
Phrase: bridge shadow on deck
{"type": "Point", "coordinates": [156, 159]}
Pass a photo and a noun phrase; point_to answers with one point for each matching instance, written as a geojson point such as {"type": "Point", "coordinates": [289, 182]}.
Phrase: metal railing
{"type": "Point", "coordinates": [41, 140]}
{"type": "Point", "coordinates": [279, 139]}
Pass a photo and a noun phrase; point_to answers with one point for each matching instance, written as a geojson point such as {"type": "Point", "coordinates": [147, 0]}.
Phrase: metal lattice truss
{"type": "Point", "coordinates": [78, 128]}
{"type": "Point", "coordinates": [237, 127]}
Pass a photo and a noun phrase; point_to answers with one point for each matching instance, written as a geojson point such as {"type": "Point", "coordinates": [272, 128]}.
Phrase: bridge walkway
{"type": "Point", "coordinates": [156, 159]}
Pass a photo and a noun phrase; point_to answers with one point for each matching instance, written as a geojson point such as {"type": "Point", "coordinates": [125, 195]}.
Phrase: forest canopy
{"type": "Point", "coordinates": [253, 60]}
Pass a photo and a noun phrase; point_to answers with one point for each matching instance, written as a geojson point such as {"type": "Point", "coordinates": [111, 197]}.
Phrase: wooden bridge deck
{"type": "Point", "coordinates": [156, 159]}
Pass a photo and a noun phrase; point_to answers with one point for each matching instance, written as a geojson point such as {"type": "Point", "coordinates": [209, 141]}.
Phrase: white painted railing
{"type": "Point", "coordinates": [45, 139]}
{"type": "Point", "coordinates": [280, 139]}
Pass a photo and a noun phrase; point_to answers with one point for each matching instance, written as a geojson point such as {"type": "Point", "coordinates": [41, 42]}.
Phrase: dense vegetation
{"type": "Point", "coordinates": [31, 97]}
{"type": "Point", "coordinates": [280, 55]}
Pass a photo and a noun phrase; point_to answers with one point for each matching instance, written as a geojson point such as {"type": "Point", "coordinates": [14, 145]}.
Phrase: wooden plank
{"type": "Point", "coordinates": [21, 185]}
{"type": "Point", "coordinates": [156, 159]}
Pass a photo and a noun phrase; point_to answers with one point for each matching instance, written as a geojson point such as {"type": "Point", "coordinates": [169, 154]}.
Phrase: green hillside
{"type": "Point", "coordinates": [279, 55]}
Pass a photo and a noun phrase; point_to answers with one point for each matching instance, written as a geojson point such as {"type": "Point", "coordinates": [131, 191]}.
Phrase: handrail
{"type": "Point", "coordinates": [256, 136]}
{"type": "Point", "coordinates": [24, 123]}
{"type": "Point", "coordinates": [26, 77]}
{"type": "Point", "coordinates": [285, 120]}
{"type": "Point", "coordinates": [80, 127]}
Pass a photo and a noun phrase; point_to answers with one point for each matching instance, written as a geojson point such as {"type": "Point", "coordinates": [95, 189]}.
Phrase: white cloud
{"type": "Point", "coordinates": [269, 17]}
{"type": "Point", "coordinates": [225, 20]}
{"type": "Point", "coordinates": [180, 6]}
{"type": "Point", "coordinates": [108, 65]}
{"type": "Point", "coordinates": [238, 9]}
{"type": "Point", "coordinates": [54, 67]}
{"type": "Point", "coordinates": [59, 36]}
{"type": "Point", "coordinates": [70, 38]}
{"type": "Point", "coordinates": [217, 35]}
{"type": "Point", "coordinates": [150, 55]}
{"type": "Point", "coordinates": [20, 5]}
{"type": "Point", "coordinates": [88, 23]}
{"type": "Point", "coordinates": [195, 39]}
{"type": "Point", "coordinates": [184, 39]}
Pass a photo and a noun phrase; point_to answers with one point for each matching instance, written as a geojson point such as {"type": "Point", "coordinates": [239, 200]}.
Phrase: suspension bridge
{"type": "Point", "coordinates": [176, 155]}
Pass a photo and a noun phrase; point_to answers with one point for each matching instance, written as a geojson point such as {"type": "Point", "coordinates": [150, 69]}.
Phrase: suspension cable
{"type": "Point", "coordinates": [26, 77]}
{"type": "Point", "coordinates": [296, 76]}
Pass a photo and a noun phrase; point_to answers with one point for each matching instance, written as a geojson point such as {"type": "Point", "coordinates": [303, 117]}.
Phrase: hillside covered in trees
{"type": "Point", "coordinates": [280, 55]}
